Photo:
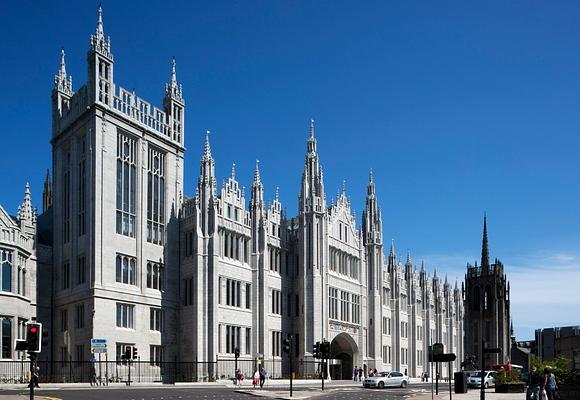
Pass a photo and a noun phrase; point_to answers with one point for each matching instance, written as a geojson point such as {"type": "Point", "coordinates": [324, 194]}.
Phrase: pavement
{"type": "Point", "coordinates": [274, 389]}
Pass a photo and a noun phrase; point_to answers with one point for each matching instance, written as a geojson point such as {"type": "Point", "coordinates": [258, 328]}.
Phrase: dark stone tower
{"type": "Point", "coordinates": [487, 308]}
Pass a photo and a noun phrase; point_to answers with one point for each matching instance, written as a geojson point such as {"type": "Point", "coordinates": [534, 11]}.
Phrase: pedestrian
{"type": "Point", "coordinates": [262, 377]}
{"type": "Point", "coordinates": [535, 386]}
{"type": "Point", "coordinates": [405, 371]}
{"type": "Point", "coordinates": [355, 373]}
{"type": "Point", "coordinates": [34, 376]}
{"type": "Point", "coordinates": [549, 384]}
{"type": "Point", "coordinates": [256, 378]}
{"type": "Point", "coordinates": [239, 377]}
{"type": "Point", "coordinates": [375, 373]}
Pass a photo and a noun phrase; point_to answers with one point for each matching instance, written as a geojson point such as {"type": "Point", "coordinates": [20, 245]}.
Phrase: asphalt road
{"type": "Point", "coordinates": [211, 393]}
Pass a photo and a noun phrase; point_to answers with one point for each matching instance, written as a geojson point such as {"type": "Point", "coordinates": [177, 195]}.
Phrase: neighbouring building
{"type": "Point", "coordinates": [487, 308]}
{"type": "Point", "coordinates": [559, 342]}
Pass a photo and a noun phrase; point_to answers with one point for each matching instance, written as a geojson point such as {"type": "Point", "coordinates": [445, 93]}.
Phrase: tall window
{"type": "Point", "coordinates": [82, 270]}
{"type": "Point", "coordinates": [345, 306]}
{"type": "Point", "coordinates": [333, 303]}
{"type": "Point", "coordinates": [80, 352]}
{"type": "Point", "coordinates": [65, 275]}
{"type": "Point", "coordinates": [125, 314]}
{"type": "Point", "coordinates": [6, 337]}
{"type": "Point", "coordinates": [66, 198]}
{"type": "Point", "coordinates": [276, 343]}
{"type": "Point", "coordinates": [155, 276]}
{"type": "Point", "coordinates": [126, 183]}
{"type": "Point", "coordinates": [232, 338]}
{"type": "Point", "coordinates": [233, 293]}
{"type": "Point", "coordinates": [156, 319]}
{"type": "Point", "coordinates": [6, 260]}
{"type": "Point", "coordinates": [248, 296]}
{"type": "Point", "coordinates": [248, 340]}
{"type": "Point", "coordinates": [80, 316]}
{"type": "Point", "coordinates": [64, 320]}
{"type": "Point", "coordinates": [82, 178]}
{"type": "Point", "coordinates": [155, 355]}
{"type": "Point", "coordinates": [356, 309]}
{"type": "Point", "coordinates": [126, 269]}
{"type": "Point", "coordinates": [155, 196]}
{"type": "Point", "coordinates": [276, 302]}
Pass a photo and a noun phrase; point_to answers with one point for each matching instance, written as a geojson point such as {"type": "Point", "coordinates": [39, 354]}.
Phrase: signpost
{"type": "Point", "coordinates": [98, 346]}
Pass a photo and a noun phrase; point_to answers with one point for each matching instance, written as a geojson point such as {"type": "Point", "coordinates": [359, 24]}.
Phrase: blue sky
{"type": "Point", "coordinates": [458, 107]}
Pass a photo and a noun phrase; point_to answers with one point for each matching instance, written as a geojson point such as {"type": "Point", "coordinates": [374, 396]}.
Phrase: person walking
{"type": "Point", "coordinates": [549, 384]}
{"type": "Point", "coordinates": [256, 378]}
{"type": "Point", "coordinates": [535, 387]}
{"type": "Point", "coordinates": [262, 377]}
{"type": "Point", "coordinates": [355, 373]}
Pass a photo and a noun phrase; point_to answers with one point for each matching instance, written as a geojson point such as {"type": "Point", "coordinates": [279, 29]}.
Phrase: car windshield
{"type": "Point", "coordinates": [384, 374]}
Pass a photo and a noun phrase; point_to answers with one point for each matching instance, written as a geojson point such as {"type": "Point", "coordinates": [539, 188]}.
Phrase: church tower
{"type": "Point", "coordinates": [487, 307]}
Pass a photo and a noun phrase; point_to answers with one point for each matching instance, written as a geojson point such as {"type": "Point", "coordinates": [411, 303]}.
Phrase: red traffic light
{"type": "Point", "coordinates": [33, 329]}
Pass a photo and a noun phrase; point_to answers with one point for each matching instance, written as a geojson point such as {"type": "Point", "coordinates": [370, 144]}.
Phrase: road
{"type": "Point", "coordinates": [215, 393]}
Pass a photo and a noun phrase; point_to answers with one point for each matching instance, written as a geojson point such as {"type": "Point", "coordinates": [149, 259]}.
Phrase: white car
{"type": "Point", "coordinates": [384, 379]}
{"type": "Point", "coordinates": [475, 379]}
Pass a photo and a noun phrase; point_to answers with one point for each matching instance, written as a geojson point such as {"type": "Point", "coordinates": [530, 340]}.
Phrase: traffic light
{"type": "Point", "coordinates": [237, 352]}
{"type": "Point", "coordinates": [316, 350]}
{"type": "Point", "coordinates": [286, 346]}
{"type": "Point", "coordinates": [44, 338]}
{"type": "Point", "coordinates": [325, 349]}
{"type": "Point", "coordinates": [135, 352]}
{"type": "Point", "coordinates": [33, 335]}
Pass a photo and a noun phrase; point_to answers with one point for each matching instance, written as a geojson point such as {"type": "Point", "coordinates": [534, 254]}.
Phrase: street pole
{"type": "Point", "coordinates": [129, 380]}
{"type": "Point", "coordinates": [322, 371]}
{"type": "Point", "coordinates": [437, 379]}
{"type": "Point", "coordinates": [291, 370]}
{"type": "Point", "coordinates": [32, 372]}
{"type": "Point", "coordinates": [482, 396]}
{"type": "Point", "coordinates": [449, 372]}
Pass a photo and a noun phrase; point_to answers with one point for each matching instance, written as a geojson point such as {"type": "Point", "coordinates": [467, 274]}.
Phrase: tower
{"type": "Point", "coordinates": [372, 233]}
{"type": "Point", "coordinates": [487, 307]}
{"type": "Point", "coordinates": [47, 193]}
{"type": "Point", "coordinates": [117, 185]}
{"type": "Point", "coordinates": [312, 234]}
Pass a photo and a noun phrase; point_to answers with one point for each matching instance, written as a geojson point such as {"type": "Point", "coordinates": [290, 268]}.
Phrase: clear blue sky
{"type": "Point", "coordinates": [458, 107]}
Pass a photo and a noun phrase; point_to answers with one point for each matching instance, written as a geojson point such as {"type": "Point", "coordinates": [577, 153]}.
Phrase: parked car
{"type": "Point", "coordinates": [385, 379]}
{"type": "Point", "coordinates": [475, 379]}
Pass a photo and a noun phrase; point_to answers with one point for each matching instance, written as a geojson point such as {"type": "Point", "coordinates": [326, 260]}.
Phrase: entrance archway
{"type": "Point", "coordinates": [343, 348]}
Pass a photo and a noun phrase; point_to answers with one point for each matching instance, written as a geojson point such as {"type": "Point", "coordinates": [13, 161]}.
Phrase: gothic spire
{"type": "Point", "coordinates": [484, 246]}
{"type": "Point", "coordinates": [408, 262]}
{"type": "Point", "coordinates": [173, 89]}
{"type": "Point", "coordinates": [233, 171]}
{"type": "Point", "coordinates": [311, 146]}
{"type": "Point", "coordinates": [98, 42]}
{"type": "Point", "coordinates": [100, 33]}
{"type": "Point", "coordinates": [47, 193]}
{"type": "Point", "coordinates": [25, 211]}
{"type": "Point", "coordinates": [206, 148]}
{"type": "Point", "coordinates": [61, 82]}
{"type": "Point", "coordinates": [257, 180]}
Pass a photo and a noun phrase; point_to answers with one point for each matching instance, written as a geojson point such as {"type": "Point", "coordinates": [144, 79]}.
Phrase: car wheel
{"type": "Point", "coordinates": [404, 384]}
{"type": "Point", "coordinates": [486, 385]}
{"type": "Point", "coordinates": [381, 385]}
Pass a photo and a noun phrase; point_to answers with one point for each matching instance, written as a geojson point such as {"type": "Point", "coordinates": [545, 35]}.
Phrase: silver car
{"type": "Point", "coordinates": [385, 379]}
{"type": "Point", "coordinates": [475, 379]}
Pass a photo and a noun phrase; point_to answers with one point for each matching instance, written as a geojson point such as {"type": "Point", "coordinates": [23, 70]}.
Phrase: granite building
{"type": "Point", "coordinates": [138, 263]}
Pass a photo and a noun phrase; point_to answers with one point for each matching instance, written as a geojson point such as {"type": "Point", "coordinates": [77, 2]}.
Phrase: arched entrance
{"type": "Point", "coordinates": [344, 350]}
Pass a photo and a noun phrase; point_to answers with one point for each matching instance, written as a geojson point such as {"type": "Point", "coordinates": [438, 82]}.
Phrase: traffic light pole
{"type": "Point", "coordinates": [323, 365]}
{"type": "Point", "coordinates": [32, 372]}
{"type": "Point", "coordinates": [482, 395]}
{"type": "Point", "coordinates": [291, 370]}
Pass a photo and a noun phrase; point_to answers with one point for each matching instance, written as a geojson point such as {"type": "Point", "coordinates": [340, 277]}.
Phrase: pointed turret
{"type": "Point", "coordinates": [206, 186]}
{"type": "Point", "coordinates": [26, 213]}
{"type": "Point", "coordinates": [372, 224]}
{"type": "Point", "coordinates": [312, 196]}
{"type": "Point", "coordinates": [174, 106]}
{"type": "Point", "coordinates": [47, 193]}
{"type": "Point", "coordinates": [173, 89]}
{"type": "Point", "coordinates": [484, 247]}
{"type": "Point", "coordinates": [61, 82]}
{"type": "Point", "coordinates": [392, 261]}
{"type": "Point", "coordinates": [257, 195]}
{"type": "Point", "coordinates": [98, 42]}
